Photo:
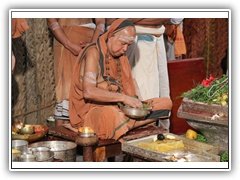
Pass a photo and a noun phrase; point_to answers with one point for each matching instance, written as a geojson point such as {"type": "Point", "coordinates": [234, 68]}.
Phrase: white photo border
{"type": "Point", "coordinates": [120, 13]}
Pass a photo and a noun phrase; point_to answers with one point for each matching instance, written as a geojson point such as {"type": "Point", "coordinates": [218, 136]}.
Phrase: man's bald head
{"type": "Point", "coordinates": [127, 34]}
{"type": "Point", "coordinates": [120, 40]}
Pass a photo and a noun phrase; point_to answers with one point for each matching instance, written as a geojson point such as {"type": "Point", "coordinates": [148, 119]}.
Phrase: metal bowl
{"type": "Point", "coordinates": [42, 153]}
{"type": "Point", "coordinates": [63, 150]}
{"type": "Point", "coordinates": [27, 158]}
{"type": "Point", "coordinates": [135, 113]}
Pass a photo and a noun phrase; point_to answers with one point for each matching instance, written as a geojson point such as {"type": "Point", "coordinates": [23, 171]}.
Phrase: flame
{"type": "Point", "coordinates": [85, 130]}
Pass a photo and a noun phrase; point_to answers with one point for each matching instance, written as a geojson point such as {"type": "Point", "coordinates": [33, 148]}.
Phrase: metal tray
{"type": "Point", "coordinates": [193, 151]}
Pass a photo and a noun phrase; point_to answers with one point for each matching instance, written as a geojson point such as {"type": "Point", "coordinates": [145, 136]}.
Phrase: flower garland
{"type": "Point", "coordinates": [210, 91]}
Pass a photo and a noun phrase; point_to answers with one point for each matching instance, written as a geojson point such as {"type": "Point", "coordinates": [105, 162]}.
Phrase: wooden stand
{"type": "Point", "coordinates": [87, 143]}
{"type": "Point", "coordinates": [104, 149]}
{"type": "Point", "coordinates": [200, 117]}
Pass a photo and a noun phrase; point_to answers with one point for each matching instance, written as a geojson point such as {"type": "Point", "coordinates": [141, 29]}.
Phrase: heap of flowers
{"type": "Point", "coordinates": [211, 91]}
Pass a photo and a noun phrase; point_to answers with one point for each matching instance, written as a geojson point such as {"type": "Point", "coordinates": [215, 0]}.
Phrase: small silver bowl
{"type": "Point", "coordinates": [135, 113]}
{"type": "Point", "coordinates": [42, 153]}
{"type": "Point", "coordinates": [27, 158]}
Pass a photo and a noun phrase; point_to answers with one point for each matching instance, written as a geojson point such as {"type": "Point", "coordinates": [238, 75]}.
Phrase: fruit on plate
{"type": "Point", "coordinates": [39, 129]}
{"type": "Point", "coordinates": [191, 134]}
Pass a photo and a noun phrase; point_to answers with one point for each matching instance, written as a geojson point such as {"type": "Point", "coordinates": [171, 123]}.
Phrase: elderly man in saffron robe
{"type": "Point", "coordinates": [102, 79]}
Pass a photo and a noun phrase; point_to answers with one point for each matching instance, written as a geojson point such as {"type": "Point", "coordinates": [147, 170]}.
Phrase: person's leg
{"type": "Point", "coordinates": [108, 122]}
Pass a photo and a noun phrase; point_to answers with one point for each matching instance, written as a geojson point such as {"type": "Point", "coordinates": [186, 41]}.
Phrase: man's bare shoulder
{"type": "Point", "coordinates": [92, 53]}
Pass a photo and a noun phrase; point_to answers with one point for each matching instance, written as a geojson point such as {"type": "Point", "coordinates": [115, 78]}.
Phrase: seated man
{"type": "Point", "coordinates": [102, 79]}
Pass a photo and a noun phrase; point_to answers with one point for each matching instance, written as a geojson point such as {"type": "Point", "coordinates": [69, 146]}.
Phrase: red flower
{"type": "Point", "coordinates": [205, 83]}
{"type": "Point", "coordinates": [208, 81]}
{"type": "Point", "coordinates": [211, 78]}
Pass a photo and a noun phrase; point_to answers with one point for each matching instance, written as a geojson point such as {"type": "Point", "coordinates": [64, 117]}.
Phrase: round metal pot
{"type": "Point", "coordinates": [21, 145]}
{"type": "Point", "coordinates": [63, 150]}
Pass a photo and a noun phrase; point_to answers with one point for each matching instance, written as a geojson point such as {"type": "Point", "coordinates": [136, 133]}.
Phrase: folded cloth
{"type": "Point", "coordinates": [62, 109]}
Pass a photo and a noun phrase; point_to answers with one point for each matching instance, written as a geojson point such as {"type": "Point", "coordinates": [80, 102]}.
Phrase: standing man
{"type": "Point", "coordinates": [147, 57]}
{"type": "Point", "coordinates": [174, 39]}
{"type": "Point", "coordinates": [71, 36]}
{"type": "Point", "coordinates": [102, 79]}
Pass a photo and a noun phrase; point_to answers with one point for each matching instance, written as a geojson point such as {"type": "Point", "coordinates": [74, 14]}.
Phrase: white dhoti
{"type": "Point", "coordinates": [147, 57]}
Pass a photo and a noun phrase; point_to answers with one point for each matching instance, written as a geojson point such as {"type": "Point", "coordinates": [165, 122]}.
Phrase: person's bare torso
{"type": "Point", "coordinates": [74, 21]}
{"type": "Point", "coordinates": [100, 82]}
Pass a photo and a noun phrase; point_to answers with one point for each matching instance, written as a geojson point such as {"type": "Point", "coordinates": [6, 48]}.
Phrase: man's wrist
{"type": "Point", "coordinates": [67, 44]}
{"type": "Point", "coordinates": [121, 97]}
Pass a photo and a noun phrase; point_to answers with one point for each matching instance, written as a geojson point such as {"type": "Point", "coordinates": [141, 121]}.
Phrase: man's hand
{"type": "Point", "coordinates": [132, 101]}
{"type": "Point", "coordinates": [74, 48]}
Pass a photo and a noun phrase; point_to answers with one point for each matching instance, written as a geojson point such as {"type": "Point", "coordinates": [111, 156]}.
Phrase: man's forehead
{"type": "Point", "coordinates": [126, 35]}
{"type": "Point", "coordinates": [126, 38]}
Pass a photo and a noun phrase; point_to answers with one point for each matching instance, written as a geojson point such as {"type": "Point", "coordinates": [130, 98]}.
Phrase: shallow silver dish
{"type": "Point", "coordinates": [135, 113]}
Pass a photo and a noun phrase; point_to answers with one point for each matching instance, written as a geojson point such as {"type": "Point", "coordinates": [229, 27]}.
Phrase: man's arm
{"type": "Point", "coordinates": [90, 89]}
{"type": "Point", "coordinates": [62, 37]}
